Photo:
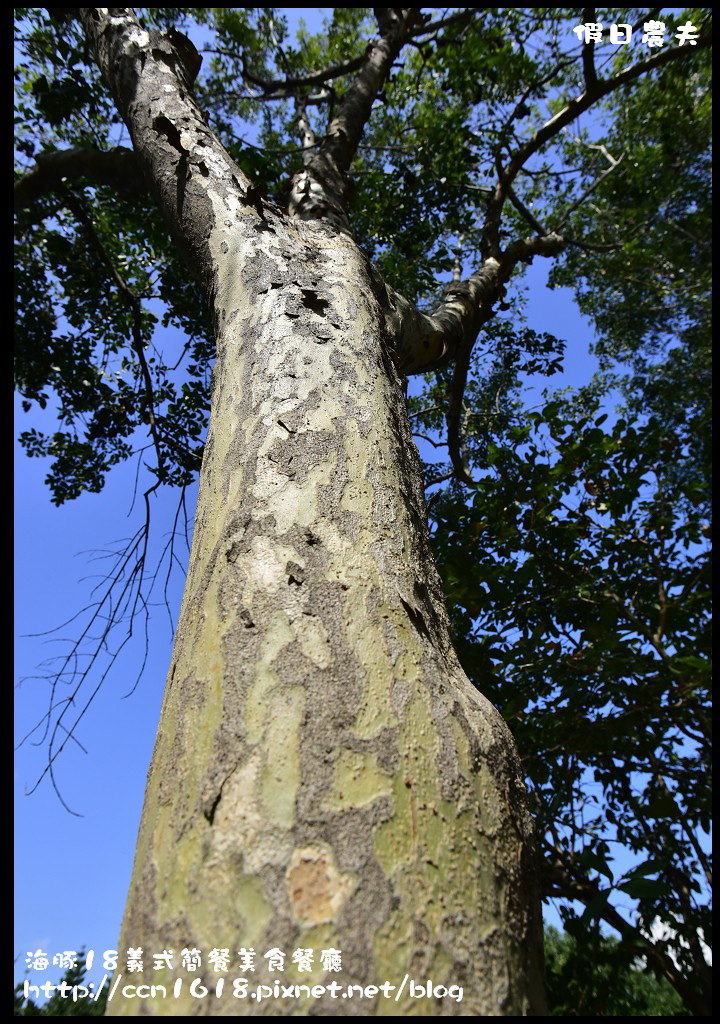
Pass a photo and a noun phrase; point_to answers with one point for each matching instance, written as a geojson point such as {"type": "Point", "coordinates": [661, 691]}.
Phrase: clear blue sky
{"type": "Point", "coordinates": [72, 873]}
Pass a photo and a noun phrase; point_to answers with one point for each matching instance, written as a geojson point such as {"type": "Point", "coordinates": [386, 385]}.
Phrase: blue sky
{"type": "Point", "coordinates": [72, 872]}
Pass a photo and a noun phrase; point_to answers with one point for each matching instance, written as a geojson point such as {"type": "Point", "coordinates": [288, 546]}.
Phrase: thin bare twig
{"type": "Point", "coordinates": [589, 191]}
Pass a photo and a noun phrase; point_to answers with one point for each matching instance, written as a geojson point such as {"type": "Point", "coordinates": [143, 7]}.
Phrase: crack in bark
{"type": "Point", "coordinates": [209, 811]}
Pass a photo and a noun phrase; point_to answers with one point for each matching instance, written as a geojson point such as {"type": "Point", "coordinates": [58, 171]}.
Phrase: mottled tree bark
{"type": "Point", "coordinates": [324, 776]}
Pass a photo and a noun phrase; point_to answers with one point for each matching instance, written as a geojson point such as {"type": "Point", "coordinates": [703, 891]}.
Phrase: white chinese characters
{"type": "Point", "coordinates": [190, 960]}
{"type": "Point", "coordinates": [654, 33]}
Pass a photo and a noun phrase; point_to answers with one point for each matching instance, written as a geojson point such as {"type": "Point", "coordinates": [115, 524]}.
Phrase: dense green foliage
{"type": "Point", "coordinates": [595, 980]}
{"type": "Point", "coordinates": [577, 566]}
{"type": "Point", "coordinates": [584, 616]}
{"type": "Point", "coordinates": [584, 608]}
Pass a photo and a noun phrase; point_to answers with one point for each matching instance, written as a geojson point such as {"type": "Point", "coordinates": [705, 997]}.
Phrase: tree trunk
{"type": "Point", "coordinates": [324, 776]}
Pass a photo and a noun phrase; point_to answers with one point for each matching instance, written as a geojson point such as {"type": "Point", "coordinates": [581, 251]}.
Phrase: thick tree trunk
{"type": "Point", "coordinates": [324, 775]}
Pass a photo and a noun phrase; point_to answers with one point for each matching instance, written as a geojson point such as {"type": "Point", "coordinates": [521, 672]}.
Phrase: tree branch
{"type": "Point", "coordinates": [320, 190]}
{"type": "Point", "coordinates": [424, 342]}
{"type": "Point", "coordinates": [454, 416]}
{"type": "Point", "coordinates": [118, 167]}
{"type": "Point", "coordinates": [592, 188]}
{"type": "Point", "coordinates": [588, 52]}
{"type": "Point", "coordinates": [592, 246]}
{"type": "Point", "coordinates": [150, 77]}
{"type": "Point", "coordinates": [307, 135]}
{"type": "Point", "coordinates": [583, 102]}
{"type": "Point", "coordinates": [525, 212]}
{"type": "Point", "coordinates": [286, 88]}
{"type": "Point", "coordinates": [577, 106]}
{"type": "Point", "coordinates": [293, 82]}
{"type": "Point", "coordinates": [562, 883]}
{"type": "Point", "coordinates": [462, 17]}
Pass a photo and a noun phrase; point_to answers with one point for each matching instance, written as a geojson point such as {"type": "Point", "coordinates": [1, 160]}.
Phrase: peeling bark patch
{"type": "Point", "coordinates": [317, 889]}
{"type": "Point", "coordinates": [253, 197]}
{"type": "Point", "coordinates": [312, 301]}
{"type": "Point", "coordinates": [164, 126]}
{"type": "Point", "coordinates": [416, 617]}
{"type": "Point", "coordinates": [161, 55]}
{"type": "Point", "coordinates": [295, 573]}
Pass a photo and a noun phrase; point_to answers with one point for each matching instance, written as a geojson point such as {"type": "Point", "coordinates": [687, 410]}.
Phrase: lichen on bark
{"type": "Point", "coordinates": [323, 766]}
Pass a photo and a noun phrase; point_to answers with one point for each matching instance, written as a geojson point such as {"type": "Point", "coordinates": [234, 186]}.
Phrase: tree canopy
{"type": "Point", "coordinates": [572, 535]}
